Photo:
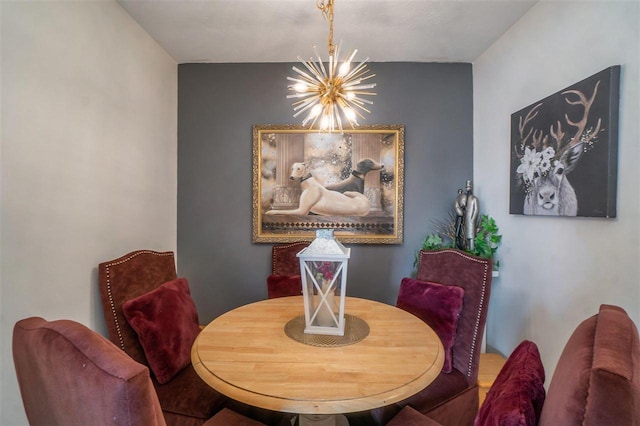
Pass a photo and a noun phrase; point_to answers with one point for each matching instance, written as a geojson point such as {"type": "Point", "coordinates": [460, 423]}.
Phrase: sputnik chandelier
{"type": "Point", "coordinates": [330, 96]}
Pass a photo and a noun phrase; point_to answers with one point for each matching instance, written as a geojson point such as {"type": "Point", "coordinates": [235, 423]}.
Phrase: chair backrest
{"type": "Point", "coordinates": [285, 277]}
{"type": "Point", "coordinates": [284, 260]}
{"type": "Point", "coordinates": [123, 279]}
{"type": "Point", "coordinates": [69, 375]}
{"type": "Point", "coordinates": [473, 274]}
{"type": "Point", "coordinates": [597, 377]}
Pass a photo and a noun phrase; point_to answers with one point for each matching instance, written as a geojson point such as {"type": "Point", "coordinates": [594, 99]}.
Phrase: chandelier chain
{"type": "Point", "coordinates": [327, 11]}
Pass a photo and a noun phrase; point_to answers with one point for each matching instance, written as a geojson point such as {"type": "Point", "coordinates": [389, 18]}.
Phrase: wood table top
{"type": "Point", "coordinates": [246, 355]}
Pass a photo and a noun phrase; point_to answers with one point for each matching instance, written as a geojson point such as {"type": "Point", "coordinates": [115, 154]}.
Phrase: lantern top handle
{"type": "Point", "coordinates": [325, 243]}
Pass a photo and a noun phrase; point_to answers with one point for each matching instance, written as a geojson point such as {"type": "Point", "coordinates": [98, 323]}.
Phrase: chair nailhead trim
{"type": "Point", "coordinates": [108, 266]}
{"type": "Point", "coordinates": [476, 326]}
{"type": "Point", "coordinates": [274, 261]}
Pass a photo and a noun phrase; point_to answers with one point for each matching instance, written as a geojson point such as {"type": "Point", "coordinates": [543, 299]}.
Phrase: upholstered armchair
{"type": "Point", "coordinates": [185, 399]}
{"type": "Point", "coordinates": [595, 382]}
{"type": "Point", "coordinates": [452, 398]}
{"type": "Point", "coordinates": [69, 375]}
{"type": "Point", "coordinates": [285, 270]}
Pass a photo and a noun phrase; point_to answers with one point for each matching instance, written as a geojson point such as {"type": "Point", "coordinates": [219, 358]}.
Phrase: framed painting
{"type": "Point", "coordinates": [564, 151]}
{"type": "Point", "coordinates": [351, 182]}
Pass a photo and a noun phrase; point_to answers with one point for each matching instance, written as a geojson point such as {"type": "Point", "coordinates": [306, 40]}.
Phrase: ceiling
{"type": "Point", "coordinates": [281, 30]}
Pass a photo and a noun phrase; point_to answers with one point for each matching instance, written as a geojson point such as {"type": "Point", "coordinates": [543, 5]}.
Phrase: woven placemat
{"type": "Point", "coordinates": [355, 330]}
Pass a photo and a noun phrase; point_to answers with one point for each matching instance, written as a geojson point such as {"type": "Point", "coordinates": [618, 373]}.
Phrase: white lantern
{"type": "Point", "coordinates": [323, 268]}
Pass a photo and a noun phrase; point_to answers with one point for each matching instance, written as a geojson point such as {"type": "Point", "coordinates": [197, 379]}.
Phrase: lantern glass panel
{"type": "Point", "coordinates": [324, 282]}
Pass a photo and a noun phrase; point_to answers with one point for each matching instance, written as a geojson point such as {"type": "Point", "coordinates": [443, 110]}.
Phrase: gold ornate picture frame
{"type": "Point", "coordinates": [351, 182]}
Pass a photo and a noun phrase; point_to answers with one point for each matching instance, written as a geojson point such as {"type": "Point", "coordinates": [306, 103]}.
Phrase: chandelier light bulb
{"type": "Point", "coordinates": [331, 94]}
{"type": "Point", "coordinates": [344, 69]}
{"type": "Point", "coordinates": [324, 122]}
{"type": "Point", "coordinates": [350, 114]}
{"type": "Point", "coordinates": [315, 111]}
{"type": "Point", "coordinates": [300, 87]}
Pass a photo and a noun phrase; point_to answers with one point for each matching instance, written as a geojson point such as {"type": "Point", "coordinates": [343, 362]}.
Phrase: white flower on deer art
{"type": "Point", "coordinates": [545, 165]}
{"type": "Point", "coordinates": [534, 164]}
{"type": "Point", "coordinates": [528, 164]}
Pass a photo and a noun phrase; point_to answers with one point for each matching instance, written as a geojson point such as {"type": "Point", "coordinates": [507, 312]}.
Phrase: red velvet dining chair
{"type": "Point", "coordinates": [285, 277]}
{"type": "Point", "coordinates": [453, 397]}
{"type": "Point", "coordinates": [462, 283]}
{"type": "Point", "coordinates": [70, 375]}
{"type": "Point", "coordinates": [132, 287]}
{"type": "Point", "coordinates": [595, 381]}
{"type": "Point", "coordinates": [515, 398]}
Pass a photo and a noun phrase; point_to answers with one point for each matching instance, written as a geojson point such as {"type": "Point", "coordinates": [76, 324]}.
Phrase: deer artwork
{"type": "Point", "coordinates": [547, 159]}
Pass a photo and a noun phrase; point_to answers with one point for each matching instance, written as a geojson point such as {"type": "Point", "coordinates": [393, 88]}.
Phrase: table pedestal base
{"type": "Point", "coordinates": [320, 420]}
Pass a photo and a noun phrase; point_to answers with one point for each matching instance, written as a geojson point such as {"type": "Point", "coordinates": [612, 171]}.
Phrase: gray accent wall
{"type": "Point", "coordinates": [217, 106]}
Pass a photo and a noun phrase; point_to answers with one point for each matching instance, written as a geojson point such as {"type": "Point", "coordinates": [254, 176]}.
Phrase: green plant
{"type": "Point", "coordinates": [485, 244]}
{"type": "Point", "coordinates": [487, 238]}
{"type": "Point", "coordinates": [432, 242]}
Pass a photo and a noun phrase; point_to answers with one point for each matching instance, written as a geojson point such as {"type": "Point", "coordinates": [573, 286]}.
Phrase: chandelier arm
{"type": "Point", "coordinates": [354, 107]}
{"type": "Point", "coordinates": [336, 57]}
{"type": "Point", "coordinates": [311, 66]}
{"type": "Point", "coordinates": [315, 119]}
{"type": "Point", "coordinates": [304, 103]}
{"type": "Point", "coordinates": [367, 77]}
{"type": "Point", "coordinates": [299, 95]}
{"type": "Point", "coordinates": [302, 74]}
{"type": "Point", "coordinates": [360, 67]}
{"type": "Point", "coordinates": [361, 101]}
{"type": "Point", "coordinates": [309, 116]}
{"type": "Point", "coordinates": [350, 58]}
{"type": "Point", "coordinates": [359, 92]}
{"type": "Point", "coordinates": [304, 97]}
{"type": "Point", "coordinates": [321, 67]}
{"type": "Point", "coordinates": [337, 114]}
{"type": "Point", "coordinates": [298, 92]}
{"type": "Point", "coordinates": [362, 86]}
{"type": "Point", "coordinates": [361, 76]}
{"type": "Point", "coordinates": [303, 107]}
{"type": "Point", "coordinates": [359, 115]}
{"type": "Point", "coordinates": [362, 108]}
{"type": "Point", "coordinates": [326, 122]}
{"type": "Point", "coordinates": [299, 104]}
{"type": "Point", "coordinates": [297, 80]}
{"type": "Point", "coordinates": [352, 83]}
{"type": "Point", "coordinates": [346, 103]}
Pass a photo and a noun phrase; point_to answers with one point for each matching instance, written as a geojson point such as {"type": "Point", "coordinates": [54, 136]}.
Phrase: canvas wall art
{"type": "Point", "coordinates": [305, 180]}
{"type": "Point", "coordinates": [564, 151]}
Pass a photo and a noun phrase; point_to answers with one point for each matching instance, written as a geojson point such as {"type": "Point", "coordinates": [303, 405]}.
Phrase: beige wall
{"type": "Point", "coordinates": [88, 160]}
{"type": "Point", "coordinates": [555, 271]}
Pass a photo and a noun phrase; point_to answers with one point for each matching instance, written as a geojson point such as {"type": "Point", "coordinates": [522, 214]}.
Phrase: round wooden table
{"type": "Point", "coordinates": [246, 355]}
